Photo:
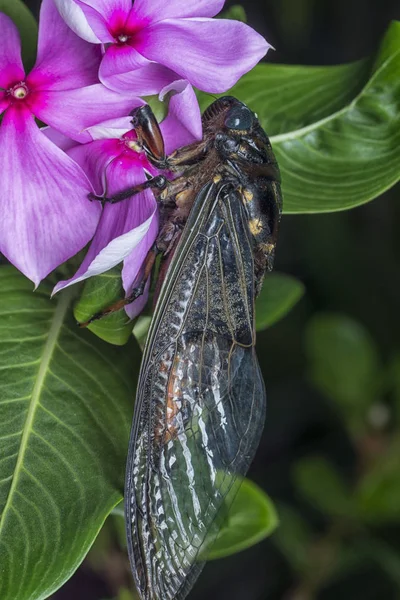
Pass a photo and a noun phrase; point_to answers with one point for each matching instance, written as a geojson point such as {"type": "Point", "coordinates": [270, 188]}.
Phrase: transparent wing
{"type": "Point", "coordinates": [201, 404]}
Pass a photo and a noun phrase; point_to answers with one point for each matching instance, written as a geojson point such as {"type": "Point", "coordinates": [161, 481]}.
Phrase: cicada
{"type": "Point", "coordinates": [200, 404]}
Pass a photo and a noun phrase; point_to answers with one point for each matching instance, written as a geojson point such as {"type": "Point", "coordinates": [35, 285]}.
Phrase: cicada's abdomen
{"type": "Point", "coordinates": [262, 199]}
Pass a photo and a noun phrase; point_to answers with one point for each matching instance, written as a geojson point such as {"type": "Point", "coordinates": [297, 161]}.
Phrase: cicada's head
{"type": "Point", "coordinates": [236, 130]}
{"type": "Point", "coordinates": [228, 113]}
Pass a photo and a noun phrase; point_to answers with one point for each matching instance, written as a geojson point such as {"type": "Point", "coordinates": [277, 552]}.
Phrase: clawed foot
{"type": "Point", "coordinates": [93, 197]}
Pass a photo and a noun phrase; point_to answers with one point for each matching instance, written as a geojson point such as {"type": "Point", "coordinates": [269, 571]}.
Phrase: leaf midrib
{"type": "Point", "coordinates": [296, 133]}
{"type": "Point", "coordinates": [48, 350]}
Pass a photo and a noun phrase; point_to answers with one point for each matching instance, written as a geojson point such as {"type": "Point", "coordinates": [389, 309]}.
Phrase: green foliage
{"type": "Point", "coordinates": [378, 493]}
{"type": "Point", "coordinates": [319, 482]}
{"type": "Point", "coordinates": [65, 411]}
{"type": "Point", "coordinates": [235, 12]}
{"type": "Point", "coordinates": [125, 595]}
{"type": "Point", "coordinates": [159, 108]}
{"type": "Point", "coordinates": [252, 517]}
{"type": "Point", "coordinates": [100, 292]}
{"type": "Point", "coordinates": [293, 537]}
{"type": "Point", "coordinates": [335, 130]}
{"type": "Point", "coordinates": [343, 363]}
{"type": "Point", "coordinates": [141, 329]}
{"type": "Point", "coordinates": [278, 296]}
{"type": "Point", "coordinates": [27, 27]}
{"type": "Point", "coordinates": [393, 376]}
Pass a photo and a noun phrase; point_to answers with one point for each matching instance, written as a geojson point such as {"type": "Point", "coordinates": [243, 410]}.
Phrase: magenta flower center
{"type": "Point", "coordinates": [124, 32]}
{"type": "Point", "coordinates": [19, 91]}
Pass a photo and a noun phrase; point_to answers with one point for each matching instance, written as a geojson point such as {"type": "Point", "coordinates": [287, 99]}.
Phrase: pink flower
{"type": "Point", "coordinates": [127, 230]}
{"type": "Point", "coordinates": [150, 43]}
{"type": "Point", "coordinates": [46, 216]}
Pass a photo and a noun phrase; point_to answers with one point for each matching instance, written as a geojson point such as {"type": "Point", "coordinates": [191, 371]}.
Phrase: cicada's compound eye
{"type": "Point", "coordinates": [239, 118]}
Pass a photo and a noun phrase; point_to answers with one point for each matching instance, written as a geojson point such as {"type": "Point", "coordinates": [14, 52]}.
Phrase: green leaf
{"type": "Point", "coordinates": [393, 381]}
{"type": "Point", "coordinates": [278, 296]}
{"type": "Point", "coordinates": [159, 107]}
{"type": "Point", "coordinates": [125, 594]}
{"type": "Point", "coordinates": [252, 517]}
{"type": "Point", "coordinates": [235, 12]}
{"type": "Point", "coordinates": [378, 493]}
{"type": "Point", "coordinates": [27, 27]}
{"type": "Point", "coordinates": [100, 292]}
{"type": "Point", "coordinates": [343, 362]}
{"type": "Point", "coordinates": [66, 401]}
{"type": "Point", "coordinates": [318, 481]}
{"type": "Point", "coordinates": [293, 537]}
{"type": "Point", "coordinates": [335, 130]}
{"type": "Point", "coordinates": [384, 555]}
{"type": "Point", "coordinates": [141, 329]}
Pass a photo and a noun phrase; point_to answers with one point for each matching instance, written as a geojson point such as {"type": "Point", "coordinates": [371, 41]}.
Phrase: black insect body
{"type": "Point", "coordinates": [200, 405]}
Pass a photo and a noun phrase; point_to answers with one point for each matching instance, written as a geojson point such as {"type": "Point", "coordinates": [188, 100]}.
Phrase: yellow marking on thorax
{"type": "Point", "coordinates": [267, 247]}
{"type": "Point", "coordinates": [247, 194]}
{"type": "Point", "coordinates": [255, 226]}
{"type": "Point", "coordinates": [182, 197]}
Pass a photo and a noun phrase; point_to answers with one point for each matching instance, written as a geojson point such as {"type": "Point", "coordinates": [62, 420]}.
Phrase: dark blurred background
{"type": "Point", "coordinates": [332, 370]}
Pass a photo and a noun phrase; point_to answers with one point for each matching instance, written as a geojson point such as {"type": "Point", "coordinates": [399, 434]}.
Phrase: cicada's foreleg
{"type": "Point", "coordinates": [151, 139]}
{"type": "Point", "coordinates": [135, 293]}
{"type": "Point", "coordinates": [156, 183]}
{"type": "Point", "coordinates": [187, 155]}
{"type": "Point", "coordinates": [149, 135]}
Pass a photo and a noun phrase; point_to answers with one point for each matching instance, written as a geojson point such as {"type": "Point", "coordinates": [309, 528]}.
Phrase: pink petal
{"type": "Point", "coordinates": [74, 16]}
{"type": "Point", "coordinates": [146, 81]}
{"type": "Point", "coordinates": [64, 60]}
{"type": "Point", "coordinates": [94, 159]}
{"type": "Point", "coordinates": [113, 12]}
{"type": "Point", "coordinates": [119, 60]}
{"type": "Point", "coordinates": [102, 255]}
{"type": "Point", "coordinates": [95, 20]}
{"type": "Point", "coordinates": [111, 164]}
{"type": "Point", "coordinates": [112, 128]}
{"type": "Point", "coordinates": [4, 102]}
{"type": "Point", "coordinates": [158, 10]}
{"type": "Point", "coordinates": [183, 123]}
{"type": "Point", "coordinates": [11, 67]}
{"type": "Point", "coordinates": [72, 112]}
{"type": "Point", "coordinates": [210, 53]}
{"type": "Point", "coordinates": [46, 215]}
{"type": "Point", "coordinates": [124, 228]}
{"type": "Point", "coordinates": [100, 24]}
{"type": "Point", "coordinates": [60, 140]}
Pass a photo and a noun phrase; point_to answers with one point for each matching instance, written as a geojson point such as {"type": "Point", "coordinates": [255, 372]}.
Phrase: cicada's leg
{"type": "Point", "coordinates": [149, 135]}
{"type": "Point", "coordinates": [135, 293]}
{"type": "Point", "coordinates": [187, 155]}
{"type": "Point", "coordinates": [156, 183]}
{"type": "Point", "coordinates": [151, 140]}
